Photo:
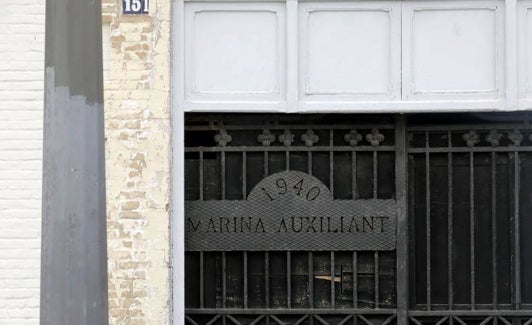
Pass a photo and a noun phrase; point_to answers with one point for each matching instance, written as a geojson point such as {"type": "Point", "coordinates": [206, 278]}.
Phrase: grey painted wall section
{"type": "Point", "coordinates": [74, 250]}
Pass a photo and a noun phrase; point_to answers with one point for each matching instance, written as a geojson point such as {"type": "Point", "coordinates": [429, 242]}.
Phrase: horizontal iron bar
{"type": "Point", "coordinates": [527, 313]}
{"type": "Point", "coordinates": [290, 149]}
{"type": "Point", "coordinates": [292, 311]}
{"type": "Point", "coordinates": [256, 127]}
{"type": "Point", "coordinates": [467, 149]}
{"type": "Point", "coordinates": [467, 127]}
{"type": "Point", "coordinates": [503, 306]}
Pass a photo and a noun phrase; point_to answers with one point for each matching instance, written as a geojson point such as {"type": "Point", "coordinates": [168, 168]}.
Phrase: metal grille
{"type": "Point", "coordinates": [462, 256]}
{"type": "Point", "coordinates": [226, 156]}
{"type": "Point", "coordinates": [470, 187]}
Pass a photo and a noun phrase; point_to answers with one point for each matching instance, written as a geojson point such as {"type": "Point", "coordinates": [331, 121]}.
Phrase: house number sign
{"type": "Point", "coordinates": [290, 210]}
{"type": "Point", "coordinates": [135, 7]}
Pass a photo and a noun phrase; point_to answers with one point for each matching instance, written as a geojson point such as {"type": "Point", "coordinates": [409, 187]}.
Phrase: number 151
{"type": "Point", "coordinates": [136, 6]}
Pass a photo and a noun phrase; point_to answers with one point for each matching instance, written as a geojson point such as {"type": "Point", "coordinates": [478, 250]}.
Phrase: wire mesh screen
{"type": "Point", "coordinates": [226, 156]}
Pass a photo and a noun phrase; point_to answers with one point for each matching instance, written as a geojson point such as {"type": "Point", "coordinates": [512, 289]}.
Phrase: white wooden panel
{"type": "Point", "coordinates": [234, 52]}
{"type": "Point", "coordinates": [524, 26]}
{"type": "Point", "coordinates": [453, 50]}
{"type": "Point", "coordinates": [350, 51]}
{"type": "Point", "coordinates": [528, 49]}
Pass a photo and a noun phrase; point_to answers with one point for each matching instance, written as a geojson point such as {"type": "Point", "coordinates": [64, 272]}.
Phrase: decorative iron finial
{"type": "Point", "coordinates": [516, 137]}
{"type": "Point", "coordinates": [309, 138]}
{"type": "Point", "coordinates": [353, 138]}
{"type": "Point", "coordinates": [494, 138]}
{"type": "Point", "coordinates": [266, 138]}
{"type": "Point", "coordinates": [375, 137]}
{"type": "Point", "coordinates": [286, 138]}
{"type": "Point", "coordinates": [471, 138]}
{"type": "Point", "coordinates": [222, 138]}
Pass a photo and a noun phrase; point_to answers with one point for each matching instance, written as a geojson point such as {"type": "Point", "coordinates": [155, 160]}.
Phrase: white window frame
{"type": "Point", "coordinates": [177, 233]}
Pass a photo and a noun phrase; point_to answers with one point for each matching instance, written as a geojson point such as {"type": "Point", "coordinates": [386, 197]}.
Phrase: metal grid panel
{"type": "Point", "coordinates": [226, 156]}
{"type": "Point", "coordinates": [469, 203]}
{"type": "Point", "coordinates": [464, 259]}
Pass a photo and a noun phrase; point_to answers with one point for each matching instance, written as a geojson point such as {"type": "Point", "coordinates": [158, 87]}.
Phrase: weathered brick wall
{"type": "Point", "coordinates": [137, 158]}
{"type": "Point", "coordinates": [21, 113]}
{"type": "Point", "coordinates": [138, 163]}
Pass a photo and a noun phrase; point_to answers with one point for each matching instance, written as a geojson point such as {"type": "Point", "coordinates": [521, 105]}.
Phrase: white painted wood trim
{"type": "Point", "coordinates": [292, 59]}
{"type": "Point", "coordinates": [412, 94]}
{"type": "Point", "coordinates": [524, 61]}
{"type": "Point", "coordinates": [512, 93]}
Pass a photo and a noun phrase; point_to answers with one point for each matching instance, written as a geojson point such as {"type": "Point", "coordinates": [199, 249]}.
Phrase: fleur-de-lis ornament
{"type": "Point", "coordinates": [471, 138]}
{"type": "Point", "coordinates": [353, 138]}
{"type": "Point", "coordinates": [266, 138]}
{"type": "Point", "coordinates": [516, 137]}
{"type": "Point", "coordinates": [494, 138]}
{"type": "Point", "coordinates": [286, 138]}
{"type": "Point", "coordinates": [309, 138]}
{"type": "Point", "coordinates": [222, 138]}
{"type": "Point", "coordinates": [375, 137]}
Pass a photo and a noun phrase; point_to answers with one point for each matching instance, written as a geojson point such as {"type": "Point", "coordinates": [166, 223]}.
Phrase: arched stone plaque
{"type": "Point", "coordinates": [290, 210]}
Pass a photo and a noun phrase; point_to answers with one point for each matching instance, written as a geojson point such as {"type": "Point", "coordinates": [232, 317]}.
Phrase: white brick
{"type": "Point", "coordinates": [20, 243]}
{"type": "Point", "coordinates": [21, 85]}
{"type": "Point", "coordinates": [27, 264]}
{"type": "Point", "coordinates": [20, 94]}
{"type": "Point", "coordinates": [19, 283]}
{"type": "Point", "coordinates": [21, 185]}
{"type": "Point", "coordinates": [21, 120]}
{"type": "Point", "coordinates": [14, 164]}
{"type": "Point", "coordinates": [7, 174]}
{"type": "Point", "coordinates": [28, 204]}
{"type": "Point", "coordinates": [23, 116]}
{"type": "Point", "coordinates": [15, 293]}
{"type": "Point", "coordinates": [20, 234]}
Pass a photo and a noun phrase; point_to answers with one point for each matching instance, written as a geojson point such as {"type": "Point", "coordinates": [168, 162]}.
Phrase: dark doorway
{"type": "Point", "coordinates": [462, 189]}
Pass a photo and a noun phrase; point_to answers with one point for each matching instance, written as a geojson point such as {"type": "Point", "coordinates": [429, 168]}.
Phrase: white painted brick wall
{"type": "Point", "coordinates": [21, 112]}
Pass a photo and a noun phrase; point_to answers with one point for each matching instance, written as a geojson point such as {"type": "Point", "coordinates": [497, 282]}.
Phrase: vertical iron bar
{"type": "Point", "coordinates": [376, 274]}
{"type": "Point", "coordinates": [355, 279]}
{"type": "Point", "coordinates": [202, 280]}
{"type": "Point", "coordinates": [287, 159]}
{"type": "Point", "coordinates": [450, 221]}
{"type": "Point", "coordinates": [376, 254]}
{"type": "Point", "coordinates": [401, 194]}
{"type": "Point", "coordinates": [288, 280]}
{"type": "Point", "coordinates": [354, 174]}
{"type": "Point", "coordinates": [224, 280]}
{"type": "Point", "coordinates": [311, 279]}
{"type": "Point", "coordinates": [246, 290]}
{"type": "Point", "coordinates": [375, 175]}
{"type": "Point", "coordinates": [333, 283]}
{"type": "Point", "coordinates": [267, 278]}
{"type": "Point", "coordinates": [309, 162]}
{"type": "Point", "coordinates": [494, 226]}
{"type": "Point", "coordinates": [331, 182]}
{"type": "Point", "coordinates": [266, 164]}
{"type": "Point", "coordinates": [201, 175]}
{"type": "Point", "coordinates": [331, 162]}
{"type": "Point", "coordinates": [244, 176]}
{"type": "Point", "coordinates": [428, 223]}
{"type": "Point", "coordinates": [517, 234]}
{"type": "Point", "coordinates": [222, 174]}
{"type": "Point", "coordinates": [472, 225]}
